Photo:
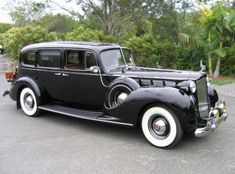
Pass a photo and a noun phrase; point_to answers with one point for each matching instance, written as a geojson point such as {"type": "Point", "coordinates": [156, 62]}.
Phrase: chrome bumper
{"type": "Point", "coordinates": [216, 117]}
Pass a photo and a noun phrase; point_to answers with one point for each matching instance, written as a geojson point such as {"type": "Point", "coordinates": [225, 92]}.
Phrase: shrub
{"type": "Point", "coordinates": [16, 38]}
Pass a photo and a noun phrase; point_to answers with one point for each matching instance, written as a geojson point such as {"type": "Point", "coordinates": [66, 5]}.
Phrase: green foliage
{"type": "Point", "coordinates": [4, 27]}
{"type": "Point", "coordinates": [82, 34]}
{"type": "Point", "coordinates": [57, 23]}
{"type": "Point", "coordinates": [143, 49]}
{"type": "Point", "coordinates": [169, 32]}
{"type": "Point", "coordinates": [26, 12]}
{"type": "Point", "coordinates": [149, 49]}
{"type": "Point", "coordinates": [189, 58]}
{"type": "Point", "coordinates": [16, 38]}
{"type": "Point", "coordinates": [222, 82]}
{"type": "Point", "coordinates": [228, 63]}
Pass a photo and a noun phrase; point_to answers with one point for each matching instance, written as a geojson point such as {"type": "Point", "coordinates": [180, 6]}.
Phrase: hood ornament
{"type": "Point", "coordinates": [203, 67]}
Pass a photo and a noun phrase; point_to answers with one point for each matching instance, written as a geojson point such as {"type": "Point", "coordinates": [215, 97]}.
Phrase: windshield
{"type": "Point", "coordinates": [112, 58]}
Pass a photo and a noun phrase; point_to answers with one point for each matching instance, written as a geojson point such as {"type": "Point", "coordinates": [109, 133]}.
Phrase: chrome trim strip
{"type": "Point", "coordinates": [82, 117]}
{"type": "Point", "coordinates": [86, 72]}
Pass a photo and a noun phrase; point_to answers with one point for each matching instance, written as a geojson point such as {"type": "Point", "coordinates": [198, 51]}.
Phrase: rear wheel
{"type": "Point", "coordinates": [161, 127]}
{"type": "Point", "coordinates": [29, 102]}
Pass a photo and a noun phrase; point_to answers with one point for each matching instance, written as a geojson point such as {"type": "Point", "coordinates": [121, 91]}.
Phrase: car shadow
{"type": "Point", "coordinates": [93, 126]}
{"type": "Point", "coordinates": [128, 134]}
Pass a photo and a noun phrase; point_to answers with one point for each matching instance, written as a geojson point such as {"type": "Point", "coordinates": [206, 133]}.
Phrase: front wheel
{"type": "Point", "coordinates": [161, 127]}
{"type": "Point", "coordinates": [29, 102]}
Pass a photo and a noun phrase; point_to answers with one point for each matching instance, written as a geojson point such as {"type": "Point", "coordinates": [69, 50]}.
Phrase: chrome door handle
{"type": "Point", "coordinates": [57, 74]}
{"type": "Point", "coordinates": [65, 75]}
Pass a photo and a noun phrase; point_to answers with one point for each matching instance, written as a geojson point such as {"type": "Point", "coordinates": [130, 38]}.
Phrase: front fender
{"type": "Point", "coordinates": [213, 96]}
{"type": "Point", "coordinates": [22, 82]}
{"type": "Point", "coordinates": [141, 99]}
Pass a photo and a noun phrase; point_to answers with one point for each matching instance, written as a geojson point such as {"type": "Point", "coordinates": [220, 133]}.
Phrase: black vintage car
{"type": "Point", "coordinates": [100, 82]}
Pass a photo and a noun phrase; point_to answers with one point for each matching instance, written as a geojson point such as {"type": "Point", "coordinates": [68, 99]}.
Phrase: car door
{"type": "Point", "coordinates": [83, 88]}
{"type": "Point", "coordinates": [49, 73]}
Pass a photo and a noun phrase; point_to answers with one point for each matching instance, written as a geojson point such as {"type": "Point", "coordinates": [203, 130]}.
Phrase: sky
{"type": "Point", "coordinates": [4, 13]}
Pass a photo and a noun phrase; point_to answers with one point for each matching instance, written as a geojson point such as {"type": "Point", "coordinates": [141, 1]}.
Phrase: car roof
{"type": "Point", "coordinates": [97, 46]}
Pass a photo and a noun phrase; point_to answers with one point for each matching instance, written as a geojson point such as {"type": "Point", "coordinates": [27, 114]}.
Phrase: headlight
{"type": "Point", "coordinates": [192, 87]}
{"type": "Point", "coordinates": [187, 86]}
{"type": "Point", "coordinates": [208, 81]}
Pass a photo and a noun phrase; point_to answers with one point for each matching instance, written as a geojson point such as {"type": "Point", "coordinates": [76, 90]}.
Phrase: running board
{"type": "Point", "coordinates": [87, 115]}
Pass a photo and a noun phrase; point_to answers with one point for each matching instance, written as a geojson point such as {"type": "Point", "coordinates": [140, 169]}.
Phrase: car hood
{"type": "Point", "coordinates": [153, 73]}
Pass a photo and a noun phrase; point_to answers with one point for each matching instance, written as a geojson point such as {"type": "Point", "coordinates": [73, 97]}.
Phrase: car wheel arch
{"type": "Point", "coordinates": [120, 83]}
{"type": "Point", "coordinates": [24, 83]}
{"type": "Point", "coordinates": [185, 114]}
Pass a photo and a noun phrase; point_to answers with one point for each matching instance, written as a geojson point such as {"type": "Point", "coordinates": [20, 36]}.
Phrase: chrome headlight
{"type": "Point", "coordinates": [187, 86]}
{"type": "Point", "coordinates": [192, 87]}
{"type": "Point", "coordinates": [208, 81]}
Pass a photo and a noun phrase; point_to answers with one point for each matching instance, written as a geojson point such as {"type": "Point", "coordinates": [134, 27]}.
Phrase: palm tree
{"type": "Point", "coordinates": [207, 22]}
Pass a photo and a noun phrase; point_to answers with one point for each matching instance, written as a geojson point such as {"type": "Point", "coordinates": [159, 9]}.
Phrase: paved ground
{"type": "Point", "coordinates": [53, 143]}
{"type": "Point", "coordinates": [228, 89]}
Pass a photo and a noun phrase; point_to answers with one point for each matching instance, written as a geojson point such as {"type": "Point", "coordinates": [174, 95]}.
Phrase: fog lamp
{"type": "Point", "coordinates": [222, 107]}
{"type": "Point", "coordinates": [216, 113]}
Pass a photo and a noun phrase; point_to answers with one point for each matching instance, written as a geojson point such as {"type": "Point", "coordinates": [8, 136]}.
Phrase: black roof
{"type": "Point", "coordinates": [97, 46]}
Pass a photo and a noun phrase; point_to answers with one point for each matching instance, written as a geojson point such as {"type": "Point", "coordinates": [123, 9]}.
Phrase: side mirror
{"type": "Point", "coordinates": [94, 69]}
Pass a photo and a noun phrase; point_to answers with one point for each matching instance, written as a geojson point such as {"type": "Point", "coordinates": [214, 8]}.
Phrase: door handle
{"type": "Point", "coordinates": [65, 75]}
{"type": "Point", "coordinates": [57, 74]}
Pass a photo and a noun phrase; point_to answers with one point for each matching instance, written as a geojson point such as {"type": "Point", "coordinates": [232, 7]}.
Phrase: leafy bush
{"type": "Point", "coordinates": [143, 49]}
{"type": "Point", "coordinates": [16, 38]}
{"type": "Point", "coordinates": [148, 50]}
{"type": "Point", "coordinates": [228, 62]}
{"type": "Point", "coordinates": [189, 58]}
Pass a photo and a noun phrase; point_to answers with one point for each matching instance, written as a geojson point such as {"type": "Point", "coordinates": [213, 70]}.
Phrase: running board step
{"type": "Point", "coordinates": [87, 115]}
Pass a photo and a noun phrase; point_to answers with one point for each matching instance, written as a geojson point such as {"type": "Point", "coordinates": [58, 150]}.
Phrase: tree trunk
{"type": "Point", "coordinates": [217, 69]}
{"type": "Point", "coordinates": [210, 66]}
{"type": "Point", "coordinates": [209, 56]}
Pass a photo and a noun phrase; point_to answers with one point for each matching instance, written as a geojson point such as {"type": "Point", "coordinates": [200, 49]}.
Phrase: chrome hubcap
{"type": "Point", "coordinates": [121, 97]}
{"type": "Point", "coordinates": [29, 102]}
{"type": "Point", "coordinates": [159, 126]}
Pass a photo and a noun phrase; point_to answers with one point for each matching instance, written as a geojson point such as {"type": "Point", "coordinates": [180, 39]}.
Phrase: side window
{"type": "Point", "coordinates": [90, 60]}
{"type": "Point", "coordinates": [75, 59]}
{"type": "Point", "coordinates": [49, 58]}
{"type": "Point", "coordinates": [29, 58]}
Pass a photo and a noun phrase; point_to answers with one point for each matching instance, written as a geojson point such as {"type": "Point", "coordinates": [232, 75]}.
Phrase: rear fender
{"type": "Point", "coordinates": [22, 82]}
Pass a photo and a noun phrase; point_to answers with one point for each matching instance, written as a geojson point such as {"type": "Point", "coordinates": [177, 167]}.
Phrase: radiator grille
{"type": "Point", "coordinates": [202, 96]}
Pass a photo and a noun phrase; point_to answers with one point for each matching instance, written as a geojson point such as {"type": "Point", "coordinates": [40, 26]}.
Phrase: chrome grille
{"type": "Point", "coordinates": [202, 96]}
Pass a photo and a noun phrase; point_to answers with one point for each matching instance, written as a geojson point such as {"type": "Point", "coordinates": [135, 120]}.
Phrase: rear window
{"type": "Point", "coordinates": [49, 58]}
{"type": "Point", "coordinates": [29, 58]}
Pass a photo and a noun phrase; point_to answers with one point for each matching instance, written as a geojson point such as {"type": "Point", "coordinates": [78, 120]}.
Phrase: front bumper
{"type": "Point", "coordinates": [216, 117]}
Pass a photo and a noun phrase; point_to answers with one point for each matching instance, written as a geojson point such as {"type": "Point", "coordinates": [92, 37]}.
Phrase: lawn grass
{"type": "Point", "coordinates": [223, 81]}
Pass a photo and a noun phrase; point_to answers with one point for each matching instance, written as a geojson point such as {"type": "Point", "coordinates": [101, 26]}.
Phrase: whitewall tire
{"type": "Point", "coordinates": [161, 127]}
{"type": "Point", "coordinates": [29, 102]}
